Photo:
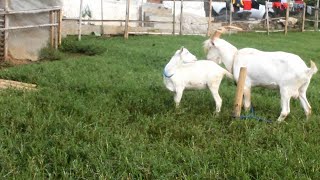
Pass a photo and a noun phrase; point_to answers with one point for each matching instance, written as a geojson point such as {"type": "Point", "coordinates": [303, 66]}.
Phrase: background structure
{"type": "Point", "coordinates": [25, 43]}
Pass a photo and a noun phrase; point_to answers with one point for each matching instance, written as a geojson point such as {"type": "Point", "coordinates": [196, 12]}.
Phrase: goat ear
{"type": "Point", "coordinates": [218, 33]}
{"type": "Point", "coordinates": [211, 36]}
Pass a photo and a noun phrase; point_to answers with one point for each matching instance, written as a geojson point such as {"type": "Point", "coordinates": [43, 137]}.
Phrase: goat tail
{"type": "Point", "coordinates": [313, 68]}
{"type": "Point", "coordinates": [229, 75]}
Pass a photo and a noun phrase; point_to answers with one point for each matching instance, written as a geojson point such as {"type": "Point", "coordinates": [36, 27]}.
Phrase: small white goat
{"type": "Point", "coordinates": [184, 71]}
{"type": "Point", "coordinates": [282, 70]}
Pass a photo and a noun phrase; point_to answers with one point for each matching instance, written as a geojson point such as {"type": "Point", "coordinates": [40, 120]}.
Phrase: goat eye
{"type": "Point", "coordinates": [212, 43]}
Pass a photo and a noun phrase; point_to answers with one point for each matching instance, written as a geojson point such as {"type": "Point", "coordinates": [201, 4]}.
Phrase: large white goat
{"type": "Point", "coordinates": [282, 70]}
{"type": "Point", "coordinates": [184, 71]}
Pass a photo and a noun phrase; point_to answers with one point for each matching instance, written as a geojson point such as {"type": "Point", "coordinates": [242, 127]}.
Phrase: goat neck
{"type": "Point", "coordinates": [227, 52]}
{"type": "Point", "coordinates": [173, 64]}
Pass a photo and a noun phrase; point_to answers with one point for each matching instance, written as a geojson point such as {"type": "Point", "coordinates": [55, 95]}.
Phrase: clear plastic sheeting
{"type": "Point", "coordinates": [26, 43]}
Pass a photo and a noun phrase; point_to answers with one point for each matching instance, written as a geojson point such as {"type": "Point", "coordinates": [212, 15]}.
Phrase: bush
{"type": "Point", "coordinates": [82, 47]}
{"type": "Point", "coordinates": [49, 53]}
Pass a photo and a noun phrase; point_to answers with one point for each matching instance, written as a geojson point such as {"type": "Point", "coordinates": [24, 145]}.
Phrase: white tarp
{"type": "Point", "coordinates": [112, 9]}
{"type": "Point", "coordinates": [116, 9]}
{"type": "Point", "coordinates": [195, 8]}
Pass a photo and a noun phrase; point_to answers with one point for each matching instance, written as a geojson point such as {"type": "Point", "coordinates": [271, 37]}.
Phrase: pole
{"type": "Point", "coordinates": [59, 26]}
{"type": "Point", "coordinates": [287, 19]}
{"type": "Point", "coordinates": [56, 29]}
{"type": "Point", "coordinates": [142, 14]}
{"type": "Point", "coordinates": [102, 23]}
{"type": "Point", "coordinates": [174, 18]}
{"type": "Point", "coordinates": [209, 19]}
{"type": "Point", "coordinates": [126, 28]}
{"type": "Point", "coordinates": [80, 21]}
{"type": "Point", "coordinates": [227, 11]}
{"type": "Point", "coordinates": [51, 16]}
{"type": "Point", "coordinates": [28, 26]}
{"type": "Point", "coordinates": [316, 16]}
{"type": "Point", "coordinates": [181, 17]}
{"type": "Point", "coordinates": [6, 33]}
{"type": "Point", "coordinates": [303, 16]}
{"type": "Point", "coordinates": [230, 18]}
{"type": "Point", "coordinates": [239, 92]}
{"type": "Point", "coordinates": [267, 17]}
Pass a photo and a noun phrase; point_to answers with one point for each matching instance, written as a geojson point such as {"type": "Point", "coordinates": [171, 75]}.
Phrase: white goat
{"type": "Point", "coordinates": [282, 70]}
{"type": "Point", "coordinates": [184, 71]}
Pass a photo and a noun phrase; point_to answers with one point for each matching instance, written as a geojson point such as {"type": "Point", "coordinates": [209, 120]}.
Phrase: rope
{"type": "Point", "coordinates": [252, 115]}
{"type": "Point", "coordinates": [165, 74]}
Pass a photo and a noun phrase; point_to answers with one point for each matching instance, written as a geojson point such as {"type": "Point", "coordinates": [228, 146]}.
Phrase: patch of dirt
{"type": "Point", "coordinates": [19, 61]}
{"type": "Point", "coordinates": [14, 62]}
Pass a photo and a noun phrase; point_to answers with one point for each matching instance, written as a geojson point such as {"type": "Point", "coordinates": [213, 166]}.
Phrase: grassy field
{"type": "Point", "coordinates": [110, 117]}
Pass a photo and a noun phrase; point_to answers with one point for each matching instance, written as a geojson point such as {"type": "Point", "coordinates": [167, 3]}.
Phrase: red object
{"type": "Point", "coordinates": [285, 5]}
{"type": "Point", "coordinates": [247, 4]}
{"type": "Point", "coordinates": [277, 4]}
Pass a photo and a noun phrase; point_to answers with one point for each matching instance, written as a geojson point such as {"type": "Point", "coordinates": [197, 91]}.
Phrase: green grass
{"type": "Point", "coordinates": [110, 117]}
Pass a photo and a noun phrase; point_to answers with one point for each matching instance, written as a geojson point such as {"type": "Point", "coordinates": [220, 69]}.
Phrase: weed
{"type": "Point", "coordinates": [49, 53]}
{"type": "Point", "coordinates": [82, 47]}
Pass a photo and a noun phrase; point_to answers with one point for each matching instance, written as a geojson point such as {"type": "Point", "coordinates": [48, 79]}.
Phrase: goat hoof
{"type": "Point", "coordinates": [216, 113]}
{"type": "Point", "coordinates": [281, 119]}
{"type": "Point", "coordinates": [282, 122]}
{"type": "Point", "coordinates": [308, 114]}
{"type": "Point", "coordinates": [180, 111]}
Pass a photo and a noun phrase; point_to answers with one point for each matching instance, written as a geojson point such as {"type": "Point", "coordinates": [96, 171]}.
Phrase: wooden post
{"type": "Point", "coordinates": [230, 18]}
{"type": "Point", "coordinates": [4, 84]}
{"type": "Point", "coordinates": [181, 16]}
{"type": "Point", "coordinates": [267, 17]}
{"type": "Point", "coordinates": [51, 16]}
{"type": "Point", "coordinates": [29, 26]}
{"type": "Point", "coordinates": [316, 16]}
{"type": "Point", "coordinates": [174, 18]}
{"type": "Point", "coordinates": [6, 32]}
{"type": "Point", "coordinates": [287, 18]}
{"type": "Point", "coordinates": [59, 26]}
{"type": "Point", "coordinates": [56, 29]}
{"type": "Point", "coordinates": [209, 19]}
{"type": "Point", "coordinates": [303, 16]}
{"type": "Point", "coordinates": [229, 11]}
{"type": "Point", "coordinates": [142, 14]}
{"type": "Point", "coordinates": [80, 21]}
{"type": "Point", "coordinates": [239, 92]}
{"type": "Point", "coordinates": [126, 28]}
{"type": "Point", "coordinates": [102, 23]}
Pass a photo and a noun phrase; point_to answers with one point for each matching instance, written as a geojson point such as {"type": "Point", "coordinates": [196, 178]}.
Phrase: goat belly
{"type": "Point", "coordinates": [195, 85]}
{"type": "Point", "coordinates": [267, 85]}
